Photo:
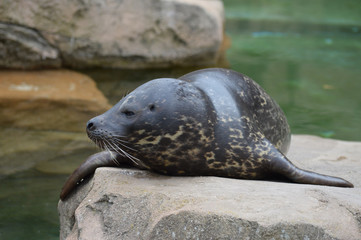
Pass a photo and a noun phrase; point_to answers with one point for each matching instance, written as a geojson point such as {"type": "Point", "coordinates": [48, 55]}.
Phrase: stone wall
{"type": "Point", "coordinates": [126, 34]}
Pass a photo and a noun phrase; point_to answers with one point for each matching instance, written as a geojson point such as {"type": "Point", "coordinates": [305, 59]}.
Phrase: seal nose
{"type": "Point", "coordinates": [90, 126]}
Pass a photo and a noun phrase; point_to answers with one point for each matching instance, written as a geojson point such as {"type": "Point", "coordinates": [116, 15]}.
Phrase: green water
{"type": "Point", "coordinates": [315, 77]}
{"type": "Point", "coordinates": [28, 206]}
{"type": "Point", "coordinates": [306, 54]}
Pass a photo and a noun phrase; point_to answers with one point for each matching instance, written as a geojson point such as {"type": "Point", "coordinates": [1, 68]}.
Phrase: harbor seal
{"type": "Point", "coordinates": [210, 122]}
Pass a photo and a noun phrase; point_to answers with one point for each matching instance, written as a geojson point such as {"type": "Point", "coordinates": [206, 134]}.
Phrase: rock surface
{"type": "Point", "coordinates": [49, 100]}
{"type": "Point", "coordinates": [127, 34]}
{"type": "Point", "coordinates": [24, 48]}
{"type": "Point", "coordinates": [134, 204]}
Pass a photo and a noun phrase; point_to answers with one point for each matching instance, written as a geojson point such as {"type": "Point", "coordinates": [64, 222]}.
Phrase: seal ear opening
{"type": "Point", "coordinates": [151, 107]}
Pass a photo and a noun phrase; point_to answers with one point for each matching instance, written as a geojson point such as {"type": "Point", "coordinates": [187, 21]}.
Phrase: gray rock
{"type": "Point", "coordinates": [24, 48]}
{"type": "Point", "coordinates": [135, 204]}
{"type": "Point", "coordinates": [127, 34]}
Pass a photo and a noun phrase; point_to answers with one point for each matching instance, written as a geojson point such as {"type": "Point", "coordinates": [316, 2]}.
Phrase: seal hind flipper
{"type": "Point", "coordinates": [279, 164]}
{"type": "Point", "coordinates": [101, 159]}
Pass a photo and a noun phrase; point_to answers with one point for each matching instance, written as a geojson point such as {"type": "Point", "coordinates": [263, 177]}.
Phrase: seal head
{"type": "Point", "coordinates": [163, 131]}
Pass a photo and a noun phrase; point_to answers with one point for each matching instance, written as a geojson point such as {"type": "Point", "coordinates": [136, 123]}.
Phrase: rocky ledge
{"type": "Point", "coordinates": [60, 100]}
{"type": "Point", "coordinates": [126, 34]}
{"type": "Point", "coordinates": [134, 204]}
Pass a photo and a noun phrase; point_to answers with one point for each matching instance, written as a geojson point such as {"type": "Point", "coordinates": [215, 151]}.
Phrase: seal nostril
{"type": "Point", "coordinates": [90, 126]}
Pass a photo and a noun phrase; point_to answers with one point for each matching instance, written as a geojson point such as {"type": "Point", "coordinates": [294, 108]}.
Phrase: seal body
{"type": "Point", "coordinates": [209, 122]}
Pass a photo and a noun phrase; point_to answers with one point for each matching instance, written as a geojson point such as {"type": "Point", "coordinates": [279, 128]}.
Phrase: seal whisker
{"type": "Point", "coordinates": [122, 143]}
{"type": "Point", "coordinates": [113, 158]}
{"type": "Point", "coordinates": [96, 142]}
{"type": "Point", "coordinates": [116, 148]}
{"type": "Point", "coordinates": [131, 157]}
{"type": "Point", "coordinates": [101, 143]}
{"type": "Point", "coordinates": [108, 148]}
{"type": "Point", "coordinates": [120, 136]}
{"type": "Point", "coordinates": [121, 140]}
{"type": "Point", "coordinates": [125, 94]}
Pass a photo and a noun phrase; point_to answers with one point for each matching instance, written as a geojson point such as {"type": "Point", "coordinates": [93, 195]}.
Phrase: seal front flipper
{"type": "Point", "coordinates": [281, 165]}
{"type": "Point", "coordinates": [101, 159]}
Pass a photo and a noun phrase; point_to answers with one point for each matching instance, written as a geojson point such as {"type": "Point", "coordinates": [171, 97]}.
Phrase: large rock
{"type": "Point", "coordinates": [49, 100]}
{"type": "Point", "coordinates": [134, 204]}
{"type": "Point", "coordinates": [127, 34]}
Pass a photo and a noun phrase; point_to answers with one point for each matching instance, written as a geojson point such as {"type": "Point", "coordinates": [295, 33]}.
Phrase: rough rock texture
{"type": "Point", "coordinates": [22, 48]}
{"type": "Point", "coordinates": [129, 34]}
{"type": "Point", "coordinates": [134, 204]}
{"type": "Point", "coordinates": [49, 100]}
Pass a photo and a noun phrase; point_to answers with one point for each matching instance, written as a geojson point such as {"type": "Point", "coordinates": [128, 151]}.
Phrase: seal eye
{"type": "Point", "coordinates": [128, 113]}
